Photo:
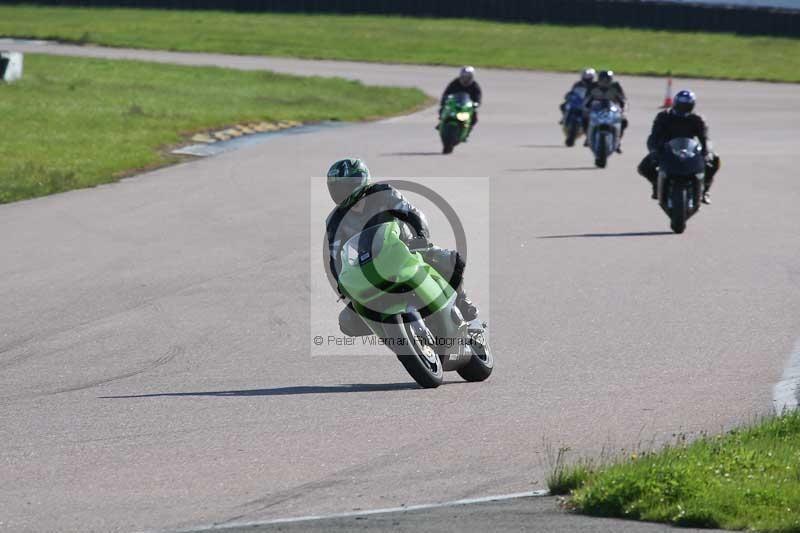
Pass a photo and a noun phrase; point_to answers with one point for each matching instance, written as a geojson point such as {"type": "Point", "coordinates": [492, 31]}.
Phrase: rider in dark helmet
{"type": "Point", "coordinates": [585, 85]}
{"type": "Point", "coordinates": [606, 89]}
{"type": "Point", "coordinates": [360, 204]}
{"type": "Point", "coordinates": [464, 83]}
{"type": "Point", "coordinates": [679, 121]}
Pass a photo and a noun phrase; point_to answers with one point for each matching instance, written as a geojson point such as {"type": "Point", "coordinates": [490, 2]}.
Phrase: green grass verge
{"type": "Point", "coordinates": [416, 40]}
{"type": "Point", "coordinates": [745, 479]}
{"type": "Point", "coordinates": [565, 477]}
{"type": "Point", "coordinates": [75, 122]}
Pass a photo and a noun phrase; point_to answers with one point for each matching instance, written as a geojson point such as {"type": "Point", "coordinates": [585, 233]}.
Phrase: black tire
{"type": "Point", "coordinates": [572, 134]}
{"type": "Point", "coordinates": [481, 364]}
{"type": "Point", "coordinates": [601, 158]}
{"type": "Point", "coordinates": [421, 361]}
{"type": "Point", "coordinates": [678, 214]}
{"type": "Point", "coordinates": [450, 136]}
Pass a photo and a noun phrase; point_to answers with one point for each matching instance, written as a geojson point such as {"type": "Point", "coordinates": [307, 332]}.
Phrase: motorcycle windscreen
{"type": "Point", "coordinates": [458, 106]}
{"type": "Point", "coordinates": [575, 100]}
{"type": "Point", "coordinates": [462, 99]}
{"type": "Point", "coordinates": [605, 112]}
{"type": "Point", "coordinates": [683, 157]}
{"type": "Point", "coordinates": [578, 92]}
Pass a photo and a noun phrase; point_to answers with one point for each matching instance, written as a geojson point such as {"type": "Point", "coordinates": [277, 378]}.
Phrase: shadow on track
{"type": "Point", "coordinates": [546, 169]}
{"type": "Point", "coordinates": [542, 146]}
{"type": "Point", "coordinates": [410, 153]}
{"type": "Point", "coordinates": [596, 235]}
{"type": "Point", "coordinates": [283, 391]}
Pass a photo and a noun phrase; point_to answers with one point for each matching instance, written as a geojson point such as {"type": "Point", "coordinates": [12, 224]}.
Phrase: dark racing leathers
{"type": "Point", "coordinates": [667, 126]}
{"type": "Point", "coordinates": [613, 93]}
{"type": "Point", "coordinates": [473, 90]}
{"type": "Point", "coordinates": [376, 204]}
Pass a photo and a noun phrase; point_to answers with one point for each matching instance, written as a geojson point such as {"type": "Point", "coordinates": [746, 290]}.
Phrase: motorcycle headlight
{"type": "Point", "coordinates": [462, 116]}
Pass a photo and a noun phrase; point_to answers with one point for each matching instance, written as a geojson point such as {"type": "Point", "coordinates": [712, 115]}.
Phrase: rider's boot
{"type": "Point", "coordinates": [465, 305]}
{"type": "Point", "coordinates": [706, 196]}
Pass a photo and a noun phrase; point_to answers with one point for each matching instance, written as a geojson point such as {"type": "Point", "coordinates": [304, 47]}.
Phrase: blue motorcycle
{"type": "Point", "coordinates": [573, 117]}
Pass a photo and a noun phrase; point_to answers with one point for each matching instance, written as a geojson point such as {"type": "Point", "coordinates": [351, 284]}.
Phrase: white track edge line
{"type": "Point", "coordinates": [368, 512]}
{"type": "Point", "coordinates": [785, 392]}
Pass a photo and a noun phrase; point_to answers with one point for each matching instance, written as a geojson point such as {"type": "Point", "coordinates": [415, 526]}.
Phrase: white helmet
{"type": "Point", "coordinates": [588, 74]}
{"type": "Point", "coordinates": [466, 75]}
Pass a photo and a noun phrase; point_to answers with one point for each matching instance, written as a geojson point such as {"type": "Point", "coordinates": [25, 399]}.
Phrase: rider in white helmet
{"type": "Point", "coordinates": [464, 83]}
{"type": "Point", "coordinates": [584, 85]}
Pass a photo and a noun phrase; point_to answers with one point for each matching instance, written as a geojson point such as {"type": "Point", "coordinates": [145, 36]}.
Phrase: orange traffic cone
{"type": "Point", "coordinates": [668, 97]}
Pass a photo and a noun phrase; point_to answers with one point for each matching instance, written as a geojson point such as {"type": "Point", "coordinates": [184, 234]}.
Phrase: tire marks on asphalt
{"type": "Point", "coordinates": [164, 359]}
{"type": "Point", "coordinates": [172, 353]}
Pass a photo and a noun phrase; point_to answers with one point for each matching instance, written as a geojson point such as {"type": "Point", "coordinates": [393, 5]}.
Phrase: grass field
{"type": "Point", "coordinates": [413, 40]}
{"type": "Point", "coordinates": [74, 123]}
{"type": "Point", "coordinates": [745, 479]}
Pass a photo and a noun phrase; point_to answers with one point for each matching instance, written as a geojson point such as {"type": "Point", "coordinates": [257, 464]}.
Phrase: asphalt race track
{"type": "Point", "coordinates": [155, 334]}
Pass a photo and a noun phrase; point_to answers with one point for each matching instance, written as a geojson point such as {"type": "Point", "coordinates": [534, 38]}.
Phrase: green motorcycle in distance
{"type": "Point", "coordinates": [455, 120]}
{"type": "Point", "coordinates": [410, 307]}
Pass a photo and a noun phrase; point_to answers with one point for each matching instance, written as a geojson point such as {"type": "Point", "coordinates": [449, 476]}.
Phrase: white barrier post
{"type": "Point", "coordinates": [10, 66]}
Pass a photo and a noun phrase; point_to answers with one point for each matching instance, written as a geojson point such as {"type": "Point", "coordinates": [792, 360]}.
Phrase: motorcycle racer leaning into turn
{"type": "Point", "coordinates": [584, 85]}
{"type": "Point", "coordinates": [606, 89]}
{"type": "Point", "coordinates": [679, 121]}
{"type": "Point", "coordinates": [361, 204]}
{"type": "Point", "coordinates": [464, 83]}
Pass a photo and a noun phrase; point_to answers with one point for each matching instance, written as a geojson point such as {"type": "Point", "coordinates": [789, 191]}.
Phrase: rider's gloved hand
{"type": "Point", "coordinates": [419, 242]}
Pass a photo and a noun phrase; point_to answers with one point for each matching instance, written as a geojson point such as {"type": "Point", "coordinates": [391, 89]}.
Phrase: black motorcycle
{"type": "Point", "coordinates": [681, 177]}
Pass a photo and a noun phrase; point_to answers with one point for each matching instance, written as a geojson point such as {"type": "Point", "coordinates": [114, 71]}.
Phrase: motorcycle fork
{"type": "Point", "coordinates": [661, 182]}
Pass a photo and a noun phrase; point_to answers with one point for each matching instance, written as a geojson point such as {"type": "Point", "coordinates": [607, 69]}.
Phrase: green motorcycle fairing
{"type": "Point", "coordinates": [379, 273]}
{"type": "Point", "coordinates": [458, 108]}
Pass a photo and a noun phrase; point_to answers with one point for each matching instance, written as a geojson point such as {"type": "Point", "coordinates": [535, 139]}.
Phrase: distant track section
{"type": "Point", "coordinates": [659, 14]}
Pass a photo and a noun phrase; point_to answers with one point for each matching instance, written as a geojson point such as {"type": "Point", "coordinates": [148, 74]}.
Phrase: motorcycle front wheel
{"type": "Point", "coordinates": [420, 360]}
{"type": "Point", "coordinates": [450, 136]}
{"type": "Point", "coordinates": [601, 156]}
{"type": "Point", "coordinates": [481, 364]}
{"type": "Point", "coordinates": [572, 134]}
{"type": "Point", "coordinates": [678, 213]}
